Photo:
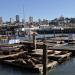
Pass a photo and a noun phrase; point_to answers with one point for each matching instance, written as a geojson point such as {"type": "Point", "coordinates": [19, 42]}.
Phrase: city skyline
{"type": "Point", "coordinates": [44, 9]}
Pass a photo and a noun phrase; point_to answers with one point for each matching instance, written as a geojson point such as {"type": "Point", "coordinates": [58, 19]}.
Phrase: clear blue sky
{"type": "Point", "coordinates": [48, 9]}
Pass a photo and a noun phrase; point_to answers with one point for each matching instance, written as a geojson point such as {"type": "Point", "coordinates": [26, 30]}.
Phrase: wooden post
{"type": "Point", "coordinates": [34, 41]}
{"type": "Point", "coordinates": [45, 59]}
{"type": "Point", "coordinates": [54, 33]}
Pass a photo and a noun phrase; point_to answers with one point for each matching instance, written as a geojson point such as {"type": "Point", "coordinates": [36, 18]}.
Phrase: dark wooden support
{"type": "Point", "coordinates": [34, 41]}
{"type": "Point", "coordinates": [45, 59]}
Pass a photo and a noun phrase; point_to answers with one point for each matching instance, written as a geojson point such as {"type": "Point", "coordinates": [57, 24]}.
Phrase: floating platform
{"type": "Point", "coordinates": [31, 60]}
{"type": "Point", "coordinates": [60, 56]}
{"type": "Point", "coordinates": [38, 68]}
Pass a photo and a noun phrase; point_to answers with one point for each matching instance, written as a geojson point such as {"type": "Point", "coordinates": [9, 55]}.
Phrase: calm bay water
{"type": "Point", "coordinates": [67, 68]}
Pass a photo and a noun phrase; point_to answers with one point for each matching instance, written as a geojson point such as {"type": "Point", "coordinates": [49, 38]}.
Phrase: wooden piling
{"type": "Point", "coordinates": [34, 41]}
{"type": "Point", "coordinates": [45, 59]}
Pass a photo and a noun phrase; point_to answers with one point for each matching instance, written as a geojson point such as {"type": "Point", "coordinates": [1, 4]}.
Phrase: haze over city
{"type": "Point", "coordinates": [47, 9]}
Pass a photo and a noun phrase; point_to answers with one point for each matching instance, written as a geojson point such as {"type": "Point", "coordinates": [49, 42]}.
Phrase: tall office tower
{"type": "Point", "coordinates": [1, 21]}
{"type": "Point", "coordinates": [39, 21]}
{"type": "Point", "coordinates": [23, 21]}
{"type": "Point", "coordinates": [11, 20]}
{"type": "Point", "coordinates": [30, 19]}
{"type": "Point", "coordinates": [17, 19]}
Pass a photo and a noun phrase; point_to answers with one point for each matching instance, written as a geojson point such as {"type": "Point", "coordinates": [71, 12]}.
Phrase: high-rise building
{"type": "Point", "coordinates": [39, 21]}
{"type": "Point", "coordinates": [1, 21]}
{"type": "Point", "coordinates": [11, 20]}
{"type": "Point", "coordinates": [23, 21]}
{"type": "Point", "coordinates": [17, 19]}
{"type": "Point", "coordinates": [30, 19]}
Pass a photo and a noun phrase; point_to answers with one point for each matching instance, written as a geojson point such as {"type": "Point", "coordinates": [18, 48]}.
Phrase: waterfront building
{"type": "Point", "coordinates": [44, 26]}
{"type": "Point", "coordinates": [45, 21]}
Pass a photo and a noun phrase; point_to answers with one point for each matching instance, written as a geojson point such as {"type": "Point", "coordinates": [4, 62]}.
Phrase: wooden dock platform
{"type": "Point", "coordinates": [34, 59]}
{"type": "Point", "coordinates": [50, 65]}
{"type": "Point", "coordinates": [36, 68]}
{"type": "Point", "coordinates": [60, 57]}
{"type": "Point", "coordinates": [11, 55]}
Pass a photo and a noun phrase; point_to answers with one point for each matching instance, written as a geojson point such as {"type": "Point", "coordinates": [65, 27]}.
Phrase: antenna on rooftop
{"type": "Point", "coordinates": [23, 20]}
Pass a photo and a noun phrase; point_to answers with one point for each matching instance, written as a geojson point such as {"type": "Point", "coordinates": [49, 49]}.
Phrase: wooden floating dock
{"type": "Point", "coordinates": [34, 60]}
{"type": "Point", "coordinates": [22, 57]}
{"type": "Point", "coordinates": [50, 65]}
{"type": "Point", "coordinates": [60, 57]}
{"type": "Point", "coordinates": [36, 68]}
{"type": "Point", "coordinates": [11, 55]}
